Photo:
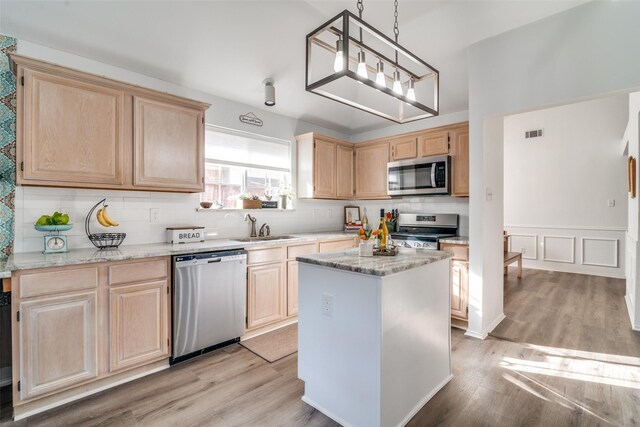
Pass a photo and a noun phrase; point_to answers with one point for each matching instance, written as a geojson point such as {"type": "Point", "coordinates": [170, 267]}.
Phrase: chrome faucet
{"type": "Point", "coordinates": [248, 217]}
{"type": "Point", "coordinates": [265, 230]}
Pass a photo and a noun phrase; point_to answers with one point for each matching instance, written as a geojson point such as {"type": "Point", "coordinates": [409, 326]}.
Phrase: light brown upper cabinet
{"type": "Point", "coordinates": [404, 148]}
{"type": "Point", "coordinates": [433, 144]}
{"type": "Point", "coordinates": [344, 172]}
{"type": "Point", "coordinates": [89, 149]}
{"type": "Point", "coordinates": [371, 170]}
{"type": "Point", "coordinates": [325, 167]}
{"type": "Point", "coordinates": [168, 145]}
{"type": "Point", "coordinates": [80, 130]}
{"type": "Point", "coordinates": [460, 161]}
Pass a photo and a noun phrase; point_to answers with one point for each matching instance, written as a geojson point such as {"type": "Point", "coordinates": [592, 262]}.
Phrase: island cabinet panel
{"type": "Point", "coordinates": [73, 132]}
{"type": "Point", "coordinates": [58, 343]}
{"type": "Point", "coordinates": [138, 324]}
{"type": "Point", "coordinates": [460, 162]}
{"type": "Point", "coordinates": [404, 148]}
{"type": "Point", "coordinates": [324, 169]}
{"type": "Point", "coordinates": [266, 294]}
{"type": "Point", "coordinates": [168, 145]}
{"type": "Point", "coordinates": [433, 143]}
{"type": "Point", "coordinates": [371, 171]}
{"type": "Point", "coordinates": [344, 173]}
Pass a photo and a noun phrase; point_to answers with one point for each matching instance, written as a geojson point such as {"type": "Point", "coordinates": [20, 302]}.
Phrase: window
{"type": "Point", "coordinates": [237, 162]}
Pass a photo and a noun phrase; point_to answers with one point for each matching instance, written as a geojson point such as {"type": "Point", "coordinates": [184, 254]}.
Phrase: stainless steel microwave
{"type": "Point", "coordinates": [428, 175]}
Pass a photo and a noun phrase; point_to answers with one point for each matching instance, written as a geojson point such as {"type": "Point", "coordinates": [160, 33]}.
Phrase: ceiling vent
{"type": "Point", "coordinates": [533, 133]}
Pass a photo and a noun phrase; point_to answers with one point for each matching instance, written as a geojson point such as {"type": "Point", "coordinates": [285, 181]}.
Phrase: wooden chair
{"type": "Point", "coordinates": [511, 257]}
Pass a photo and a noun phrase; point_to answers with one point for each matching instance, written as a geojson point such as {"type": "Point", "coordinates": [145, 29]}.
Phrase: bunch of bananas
{"type": "Point", "coordinates": [104, 219]}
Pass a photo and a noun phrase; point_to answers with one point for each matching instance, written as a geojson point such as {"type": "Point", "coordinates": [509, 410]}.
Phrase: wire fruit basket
{"type": "Point", "coordinates": [102, 240]}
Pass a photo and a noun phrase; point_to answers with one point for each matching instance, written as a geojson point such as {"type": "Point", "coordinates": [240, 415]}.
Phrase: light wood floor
{"type": "Point", "coordinates": [566, 356]}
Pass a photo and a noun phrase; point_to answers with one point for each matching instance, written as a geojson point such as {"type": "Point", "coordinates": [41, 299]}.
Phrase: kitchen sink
{"type": "Point", "coordinates": [265, 238]}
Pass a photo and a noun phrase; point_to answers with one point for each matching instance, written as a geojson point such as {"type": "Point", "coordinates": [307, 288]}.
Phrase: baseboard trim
{"type": "Point", "coordinates": [424, 401]}
{"type": "Point", "coordinates": [545, 267]}
{"type": "Point", "coordinates": [632, 319]}
{"type": "Point", "coordinates": [406, 419]}
{"type": "Point", "coordinates": [329, 414]}
{"type": "Point", "coordinates": [472, 334]}
{"type": "Point", "coordinates": [495, 323]}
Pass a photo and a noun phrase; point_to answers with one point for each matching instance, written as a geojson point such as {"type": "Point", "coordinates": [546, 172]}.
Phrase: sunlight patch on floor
{"type": "Point", "coordinates": [601, 368]}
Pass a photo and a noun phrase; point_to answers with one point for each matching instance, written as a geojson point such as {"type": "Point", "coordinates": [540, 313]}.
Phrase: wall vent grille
{"type": "Point", "coordinates": [533, 133]}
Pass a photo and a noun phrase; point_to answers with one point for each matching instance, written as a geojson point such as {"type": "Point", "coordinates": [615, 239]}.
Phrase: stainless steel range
{"type": "Point", "coordinates": [422, 230]}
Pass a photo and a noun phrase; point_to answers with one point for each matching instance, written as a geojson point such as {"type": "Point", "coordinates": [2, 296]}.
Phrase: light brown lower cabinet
{"type": "Point", "coordinates": [71, 327]}
{"type": "Point", "coordinates": [58, 343]}
{"type": "Point", "coordinates": [459, 280]}
{"type": "Point", "coordinates": [266, 294]}
{"type": "Point", "coordinates": [272, 281]}
{"type": "Point", "coordinates": [292, 288]}
{"type": "Point", "coordinates": [138, 323]}
{"type": "Point", "coordinates": [460, 289]}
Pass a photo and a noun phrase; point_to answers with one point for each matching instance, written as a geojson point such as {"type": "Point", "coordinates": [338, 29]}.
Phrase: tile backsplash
{"type": "Point", "coordinates": [132, 210]}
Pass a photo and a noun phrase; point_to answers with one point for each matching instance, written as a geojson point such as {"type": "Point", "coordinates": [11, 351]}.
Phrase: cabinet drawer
{"type": "Point", "coordinates": [55, 282]}
{"type": "Point", "coordinates": [339, 245]}
{"type": "Point", "coordinates": [296, 251]}
{"type": "Point", "coordinates": [460, 252]}
{"type": "Point", "coordinates": [137, 271]}
{"type": "Point", "coordinates": [258, 256]}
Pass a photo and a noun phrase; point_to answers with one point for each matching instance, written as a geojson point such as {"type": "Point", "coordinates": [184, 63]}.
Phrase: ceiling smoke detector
{"type": "Point", "coordinates": [269, 93]}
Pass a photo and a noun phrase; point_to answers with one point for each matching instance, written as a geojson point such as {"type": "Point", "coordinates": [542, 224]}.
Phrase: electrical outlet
{"type": "Point", "coordinates": [154, 215]}
{"type": "Point", "coordinates": [522, 251]}
{"type": "Point", "coordinates": [611, 203]}
{"type": "Point", "coordinates": [327, 305]}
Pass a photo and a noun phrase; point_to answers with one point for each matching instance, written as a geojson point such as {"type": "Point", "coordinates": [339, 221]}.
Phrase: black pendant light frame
{"type": "Point", "coordinates": [316, 87]}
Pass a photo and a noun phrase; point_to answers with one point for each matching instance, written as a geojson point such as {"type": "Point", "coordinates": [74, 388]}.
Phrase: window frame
{"type": "Point", "coordinates": [248, 166]}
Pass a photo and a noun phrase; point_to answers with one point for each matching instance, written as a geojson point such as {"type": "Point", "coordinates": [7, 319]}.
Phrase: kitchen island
{"type": "Point", "coordinates": [374, 334]}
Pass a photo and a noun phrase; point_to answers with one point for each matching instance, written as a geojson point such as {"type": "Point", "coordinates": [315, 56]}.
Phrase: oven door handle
{"type": "Point", "coordinates": [433, 175]}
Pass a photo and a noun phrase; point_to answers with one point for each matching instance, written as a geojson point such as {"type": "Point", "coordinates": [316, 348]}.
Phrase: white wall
{"type": "Point", "coordinates": [632, 141]}
{"type": "Point", "coordinates": [557, 187]}
{"type": "Point", "coordinates": [585, 52]}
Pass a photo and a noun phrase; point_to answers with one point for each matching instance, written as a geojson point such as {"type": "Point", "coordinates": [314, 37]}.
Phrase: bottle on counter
{"type": "Point", "coordinates": [383, 231]}
{"type": "Point", "coordinates": [365, 220]}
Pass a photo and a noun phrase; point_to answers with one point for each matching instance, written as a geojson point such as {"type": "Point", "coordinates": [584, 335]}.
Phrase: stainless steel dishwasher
{"type": "Point", "coordinates": [209, 295]}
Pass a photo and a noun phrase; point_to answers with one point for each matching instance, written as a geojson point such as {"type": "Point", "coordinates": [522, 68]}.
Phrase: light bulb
{"type": "Point", "coordinates": [397, 86]}
{"type": "Point", "coordinates": [380, 80]}
{"type": "Point", "coordinates": [411, 93]}
{"type": "Point", "coordinates": [362, 65]}
{"type": "Point", "coordinates": [338, 63]}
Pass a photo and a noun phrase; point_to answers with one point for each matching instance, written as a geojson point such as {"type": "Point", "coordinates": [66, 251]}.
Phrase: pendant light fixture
{"type": "Point", "coordinates": [338, 63]}
{"type": "Point", "coordinates": [413, 92]}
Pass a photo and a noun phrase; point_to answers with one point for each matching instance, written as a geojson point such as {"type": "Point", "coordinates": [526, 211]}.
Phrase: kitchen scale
{"type": "Point", "coordinates": [54, 242]}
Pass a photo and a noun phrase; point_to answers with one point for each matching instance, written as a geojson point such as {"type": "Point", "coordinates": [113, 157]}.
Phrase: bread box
{"type": "Point", "coordinates": [185, 234]}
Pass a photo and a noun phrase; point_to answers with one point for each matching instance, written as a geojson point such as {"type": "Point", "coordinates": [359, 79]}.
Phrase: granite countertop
{"type": "Point", "coordinates": [350, 260]}
{"type": "Point", "coordinates": [28, 260]}
{"type": "Point", "coordinates": [458, 240]}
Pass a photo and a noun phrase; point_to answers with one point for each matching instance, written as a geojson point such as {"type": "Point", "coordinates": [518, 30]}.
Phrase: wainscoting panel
{"type": "Point", "coordinates": [559, 249]}
{"type": "Point", "coordinates": [586, 250]}
{"type": "Point", "coordinates": [525, 243]}
{"type": "Point", "coordinates": [599, 251]}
